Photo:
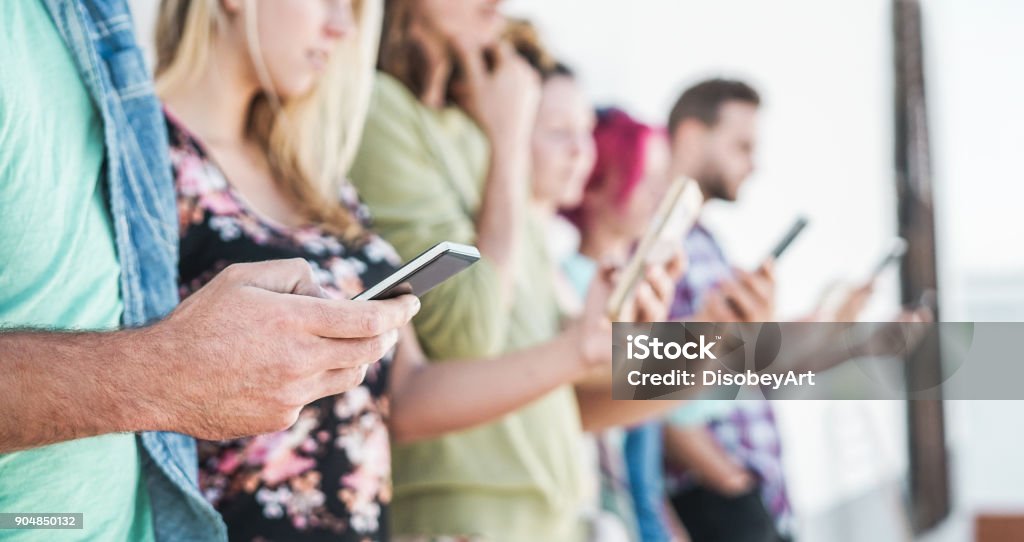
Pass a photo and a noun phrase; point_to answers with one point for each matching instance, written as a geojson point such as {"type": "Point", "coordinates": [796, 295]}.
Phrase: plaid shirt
{"type": "Point", "coordinates": [745, 429]}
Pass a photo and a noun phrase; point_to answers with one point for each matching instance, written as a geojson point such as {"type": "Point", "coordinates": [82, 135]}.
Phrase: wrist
{"type": "Point", "coordinates": [137, 391]}
{"type": "Point", "coordinates": [509, 148]}
{"type": "Point", "coordinates": [588, 352]}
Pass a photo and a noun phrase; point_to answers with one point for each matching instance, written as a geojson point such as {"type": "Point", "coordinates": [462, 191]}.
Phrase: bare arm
{"type": "Point", "coordinates": [502, 206]}
{"type": "Point", "coordinates": [239, 357]}
{"type": "Point", "coordinates": [430, 399]}
{"type": "Point", "coordinates": [503, 101]}
{"type": "Point", "coordinates": [598, 411]}
{"type": "Point", "coordinates": [651, 301]}
{"type": "Point", "coordinates": [64, 386]}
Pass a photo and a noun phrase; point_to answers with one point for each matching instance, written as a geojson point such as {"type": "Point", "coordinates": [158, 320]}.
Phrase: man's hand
{"type": "Point", "coordinates": [842, 303]}
{"type": "Point", "coordinates": [748, 297]}
{"type": "Point", "coordinates": [241, 356]}
{"type": "Point", "coordinates": [258, 343]}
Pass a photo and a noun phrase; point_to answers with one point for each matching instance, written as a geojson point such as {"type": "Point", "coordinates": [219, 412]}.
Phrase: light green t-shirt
{"type": "Point", "coordinates": [59, 269]}
{"type": "Point", "coordinates": [422, 173]}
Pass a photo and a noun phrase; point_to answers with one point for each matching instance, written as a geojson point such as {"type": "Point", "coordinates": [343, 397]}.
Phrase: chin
{"type": "Point", "coordinates": [297, 90]}
{"type": "Point", "coordinates": [570, 201]}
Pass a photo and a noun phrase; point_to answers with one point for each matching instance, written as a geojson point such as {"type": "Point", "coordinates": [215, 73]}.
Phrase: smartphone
{"type": "Point", "coordinates": [892, 256]}
{"type": "Point", "coordinates": [673, 219]}
{"type": "Point", "coordinates": [434, 266]}
{"type": "Point", "coordinates": [791, 235]}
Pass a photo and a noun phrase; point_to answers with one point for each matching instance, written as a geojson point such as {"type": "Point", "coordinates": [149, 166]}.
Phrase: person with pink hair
{"type": "Point", "coordinates": [630, 176]}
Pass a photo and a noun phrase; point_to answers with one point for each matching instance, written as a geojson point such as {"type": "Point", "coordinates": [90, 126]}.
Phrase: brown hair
{"type": "Point", "coordinates": [400, 55]}
{"type": "Point", "coordinates": [523, 36]}
{"type": "Point", "coordinates": [703, 101]}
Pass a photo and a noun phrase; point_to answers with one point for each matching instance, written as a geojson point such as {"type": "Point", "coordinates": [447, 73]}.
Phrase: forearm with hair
{"type": "Point", "coordinates": [61, 386]}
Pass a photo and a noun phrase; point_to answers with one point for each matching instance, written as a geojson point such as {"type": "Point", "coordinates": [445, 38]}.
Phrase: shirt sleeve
{"type": "Point", "coordinates": [414, 206]}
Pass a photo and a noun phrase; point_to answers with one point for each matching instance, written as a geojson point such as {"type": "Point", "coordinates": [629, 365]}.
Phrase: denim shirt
{"type": "Point", "coordinates": [101, 37]}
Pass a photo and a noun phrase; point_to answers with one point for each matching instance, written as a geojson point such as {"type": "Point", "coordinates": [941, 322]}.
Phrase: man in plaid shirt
{"type": "Point", "coordinates": [724, 474]}
{"type": "Point", "coordinates": [724, 470]}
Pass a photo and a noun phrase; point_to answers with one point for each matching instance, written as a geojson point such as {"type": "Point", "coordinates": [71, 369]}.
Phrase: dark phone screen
{"type": "Point", "coordinates": [428, 276]}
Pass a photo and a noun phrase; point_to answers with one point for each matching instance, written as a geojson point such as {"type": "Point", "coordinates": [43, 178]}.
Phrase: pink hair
{"type": "Point", "coordinates": [621, 142]}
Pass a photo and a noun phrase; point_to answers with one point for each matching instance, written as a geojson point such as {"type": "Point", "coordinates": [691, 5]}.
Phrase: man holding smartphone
{"type": "Point", "coordinates": [88, 244]}
{"type": "Point", "coordinates": [725, 479]}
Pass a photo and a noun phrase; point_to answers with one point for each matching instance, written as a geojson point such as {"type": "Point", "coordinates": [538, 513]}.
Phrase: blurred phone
{"type": "Point", "coordinates": [674, 217]}
{"type": "Point", "coordinates": [780, 248]}
{"type": "Point", "coordinates": [893, 256]}
{"type": "Point", "coordinates": [434, 266]}
{"type": "Point", "coordinates": [791, 235]}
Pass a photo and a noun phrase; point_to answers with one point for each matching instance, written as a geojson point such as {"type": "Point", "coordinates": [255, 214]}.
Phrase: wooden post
{"type": "Point", "coordinates": [929, 473]}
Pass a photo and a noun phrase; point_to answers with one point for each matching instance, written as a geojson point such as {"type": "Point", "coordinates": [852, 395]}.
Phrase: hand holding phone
{"type": "Point", "coordinates": [843, 303]}
{"type": "Point", "coordinates": [673, 219]}
{"type": "Point", "coordinates": [791, 235]}
{"type": "Point", "coordinates": [750, 296]}
{"type": "Point", "coordinates": [434, 266]}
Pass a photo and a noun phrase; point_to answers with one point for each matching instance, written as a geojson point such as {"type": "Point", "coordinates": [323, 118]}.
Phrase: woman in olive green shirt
{"type": "Point", "coordinates": [431, 170]}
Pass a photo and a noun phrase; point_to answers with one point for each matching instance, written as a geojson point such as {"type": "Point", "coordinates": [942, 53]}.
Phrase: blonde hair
{"type": "Point", "coordinates": [310, 141]}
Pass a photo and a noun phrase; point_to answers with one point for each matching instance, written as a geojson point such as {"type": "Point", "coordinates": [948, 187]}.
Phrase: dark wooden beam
{"type": "Point", "coordinates": [929, 471]}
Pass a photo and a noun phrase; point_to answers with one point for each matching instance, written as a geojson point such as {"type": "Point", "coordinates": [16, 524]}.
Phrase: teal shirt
{"type": "Point", "coordinates": [59, 269]}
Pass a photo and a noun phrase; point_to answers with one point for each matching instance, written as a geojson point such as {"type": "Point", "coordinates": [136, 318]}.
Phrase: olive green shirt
{"type": "Point", "coordinates": [422, 172]}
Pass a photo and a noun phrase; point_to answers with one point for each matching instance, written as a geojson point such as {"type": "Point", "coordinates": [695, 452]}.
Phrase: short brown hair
{"type": "Point", "coordinates": [704, 100]}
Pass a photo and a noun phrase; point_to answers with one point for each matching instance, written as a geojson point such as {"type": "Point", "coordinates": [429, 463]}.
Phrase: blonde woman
{"type": "Point", "coordinates": [264, 101]}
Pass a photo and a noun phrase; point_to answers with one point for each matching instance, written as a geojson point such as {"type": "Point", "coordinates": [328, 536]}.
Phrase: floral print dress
{"type": "Point", "coordinates": [328, 477]}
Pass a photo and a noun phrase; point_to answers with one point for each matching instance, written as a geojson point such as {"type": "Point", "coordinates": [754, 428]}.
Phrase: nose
{"type": "Point", "coordinates": [340, 20]}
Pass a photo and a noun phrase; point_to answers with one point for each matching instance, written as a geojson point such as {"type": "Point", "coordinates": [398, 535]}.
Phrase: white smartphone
{"type": "Point", "coordinates": [434, 266]}
{"type": "Point", "coordinates": [668, 228]}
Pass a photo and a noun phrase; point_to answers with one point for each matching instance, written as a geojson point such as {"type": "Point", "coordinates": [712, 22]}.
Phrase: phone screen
{"type": "Point", "coordinates": [424, 272]}
{"type": "Point", "coordinates": [425, 278]}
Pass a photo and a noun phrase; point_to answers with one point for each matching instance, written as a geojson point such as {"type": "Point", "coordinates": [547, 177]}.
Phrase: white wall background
{"type": "Point", "coordinates": [824, 69]}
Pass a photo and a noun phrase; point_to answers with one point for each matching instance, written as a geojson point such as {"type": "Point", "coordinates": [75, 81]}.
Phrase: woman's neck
{"type": "Point", "coordinates": [546, 209]}
{"type": "Point", "coordinates": [599, 242]}
{"type": "Point", "coordinates": [216, 104]}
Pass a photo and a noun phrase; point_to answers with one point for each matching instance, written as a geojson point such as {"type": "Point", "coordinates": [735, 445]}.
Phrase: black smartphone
{"type": "Point", "coordinates": [791, 235]}
{"type": "Point", "coordinates": [434, 266]}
